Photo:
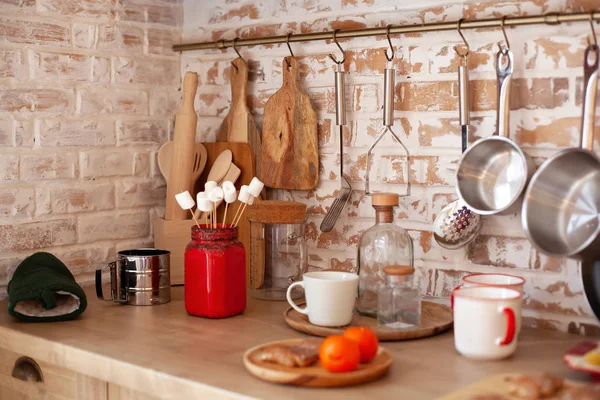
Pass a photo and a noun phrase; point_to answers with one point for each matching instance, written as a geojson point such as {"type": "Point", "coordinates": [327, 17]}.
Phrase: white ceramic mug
{"type": "Point", "coordinates": [330, 297]}
{"type": "Point", "coordinates": [493, 280]}
{"type": "Point", "coordinates": [487, 321]}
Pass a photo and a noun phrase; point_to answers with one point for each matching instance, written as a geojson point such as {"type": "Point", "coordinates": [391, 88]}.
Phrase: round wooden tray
{"type": "Point", "coordinates": [315, 375]}
{"type": "Point", "coordinates": [435, 318]}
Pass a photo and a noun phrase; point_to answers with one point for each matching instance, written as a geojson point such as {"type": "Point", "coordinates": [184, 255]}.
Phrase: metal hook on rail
{"type": "Point", "coordinates": [339, 47]}
{"type": "Point", "coordinates": [289, 48]}
{"type": "Point", "coordinates": [238, 53]}
{"type": "Point", "coordinates": [593, 30]}
{"type": "Point", "coordinates": [467, 49]}
{"type": "Point", "coordinates": [387, 33]}
{"type": "Point", "coordinates": [507, 49]}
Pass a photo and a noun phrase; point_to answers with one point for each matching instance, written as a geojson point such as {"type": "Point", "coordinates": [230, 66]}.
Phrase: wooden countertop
{"type": "Point", "coordinates": [160, 350]}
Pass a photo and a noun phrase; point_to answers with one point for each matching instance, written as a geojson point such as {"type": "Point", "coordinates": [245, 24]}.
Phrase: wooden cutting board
{"type": "Point", "coordinates": [495, 387]}
{"type": "Point", "coordinates": [239, 125]}
{"type": "Point", "coordinates": [435, 318]}
{"type": "Point", "coordinates": [290, 150]}
{"type": "Point", "coordinates": [314, 375]}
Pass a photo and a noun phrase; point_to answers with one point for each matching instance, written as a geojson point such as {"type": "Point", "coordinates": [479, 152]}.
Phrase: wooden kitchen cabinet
{"type": "Point", "coordinates": [56, 383]}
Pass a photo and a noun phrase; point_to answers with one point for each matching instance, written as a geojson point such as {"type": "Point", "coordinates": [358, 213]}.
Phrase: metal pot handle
{"type": "Point", "coordinates": [504, 75]}
{"type": "Point", "coordinates": [590, 86]}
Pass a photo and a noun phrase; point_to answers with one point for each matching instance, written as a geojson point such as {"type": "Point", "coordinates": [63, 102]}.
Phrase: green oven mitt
{"type": "Point", "coordinates": [43, 289]}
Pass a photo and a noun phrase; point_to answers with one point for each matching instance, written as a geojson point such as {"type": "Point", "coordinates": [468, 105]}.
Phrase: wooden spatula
{"type": "Point", "coordinates": [165, 155]}
{"type": "Point", "coordinates": [290, 148]}
{"type": "Point", "coordinates": [239, 125]}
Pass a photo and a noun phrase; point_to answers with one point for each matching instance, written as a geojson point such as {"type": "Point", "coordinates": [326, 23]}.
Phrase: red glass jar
{"type": "Point", "coordinates": [215, 273]}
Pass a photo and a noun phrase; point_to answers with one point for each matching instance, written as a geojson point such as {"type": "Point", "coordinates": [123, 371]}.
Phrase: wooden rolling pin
{"type": "Point", "coordinates": [180, 176]}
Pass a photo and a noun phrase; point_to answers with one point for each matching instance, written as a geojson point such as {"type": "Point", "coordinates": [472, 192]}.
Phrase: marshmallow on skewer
{"type": "Point", "coordinates": [204, 205]}
{"type": "Point", "coordinates": [244, 195]}
{"type": "Point", "coordinates": [229, 192]}
{"type": "Point", "coordinates": [245, 198]}
{"type": "Point", "coordinates": [185, 200]}
{"type": "Point", "coordinates": [216, 194]}
{"type": "Point", "coordinates": [255, 187]}
{"type": "Point", "coordinates": [209, 186]}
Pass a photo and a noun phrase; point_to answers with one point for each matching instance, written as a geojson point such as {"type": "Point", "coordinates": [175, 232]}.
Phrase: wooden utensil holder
{"type": "Point", "coordinates": [174, 237]}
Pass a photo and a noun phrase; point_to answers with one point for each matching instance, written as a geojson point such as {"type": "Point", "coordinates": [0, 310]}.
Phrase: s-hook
{"type": "Point", "coordinates": [238, 54]}
{"type": "Point", "coordinates": [467, 49]}
{"type": "Point", "coordinates": [339, 47]}
{"type": "Point", "coordinates": [595, 40]}
{"type": "Point", "coordinates": [387, 33]}
{"type": "Point", "coordinates": [289, 48]}
{"type": "Point", "coordinates": [507, 48]}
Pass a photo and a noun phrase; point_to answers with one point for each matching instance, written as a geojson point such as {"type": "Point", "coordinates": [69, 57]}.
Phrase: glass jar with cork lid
{"type": "Point", "coordinates": [383, 245]}
{"type": "Point", "coordinates": [398, 300]}
{"type": "Point", "coordinates": [278, 254]}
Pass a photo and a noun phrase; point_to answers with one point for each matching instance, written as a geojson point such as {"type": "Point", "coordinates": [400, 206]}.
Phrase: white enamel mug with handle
{"type": "Point", "coordinates": [330, 297]}
{"type": "Point", "coordinates": [487, 321]}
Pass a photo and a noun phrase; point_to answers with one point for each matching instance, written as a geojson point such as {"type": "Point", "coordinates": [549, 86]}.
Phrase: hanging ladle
{"type": "Point", "coordinates": [457, 225]}
{"type": "Point", "coordinates": [388, 117]}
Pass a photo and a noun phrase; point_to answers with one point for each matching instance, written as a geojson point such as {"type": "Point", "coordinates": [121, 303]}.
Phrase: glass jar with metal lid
{"type": "Point", "coordinates": [383, 245]}
{"type": "Point", "coordinates": [278, 254]}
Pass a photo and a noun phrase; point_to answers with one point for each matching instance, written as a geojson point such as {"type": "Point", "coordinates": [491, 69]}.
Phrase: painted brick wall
{"type": "Point", "coordinates": [87, 94]}
{"type": "Point", "coordinates": [545, 117]}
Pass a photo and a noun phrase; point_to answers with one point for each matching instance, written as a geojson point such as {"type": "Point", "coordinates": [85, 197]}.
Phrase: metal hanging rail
{"type": "Point", "coordinates": [549, 19]}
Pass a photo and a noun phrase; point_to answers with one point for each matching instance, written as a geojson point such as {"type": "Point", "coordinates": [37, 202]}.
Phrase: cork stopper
{"type": "Point", "coordinates": [385, 199]}
{"type": "Point", "coordinates": [277, 212]}
{"type": "Point", "coordinates": [398, 270]}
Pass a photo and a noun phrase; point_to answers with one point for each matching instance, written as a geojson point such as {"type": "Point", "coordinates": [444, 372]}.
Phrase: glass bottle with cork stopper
{"type": "Point", "coordinates": [383, 245]}
{"type": "Point", "coordinates": [399, 302]}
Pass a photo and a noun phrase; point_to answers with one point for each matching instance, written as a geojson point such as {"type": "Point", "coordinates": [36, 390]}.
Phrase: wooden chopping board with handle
{"type": "Point", "coordinates": [239, 125]}
{"type": "Point", "coordinates": [290, 150]}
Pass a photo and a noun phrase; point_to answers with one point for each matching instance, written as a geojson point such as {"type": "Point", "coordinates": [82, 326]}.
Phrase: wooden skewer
{"type": "Point", "coordinates": [240, 216]}
{"type": "Point", "coordinates": [195, 220]}
{"type": "Point", "coordinates": [236, 215]}
{"type": "Point", "coordinates": [225, 215]}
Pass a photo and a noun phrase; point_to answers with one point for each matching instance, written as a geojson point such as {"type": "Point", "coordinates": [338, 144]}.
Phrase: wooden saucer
{"type": "Point", "coordinates": [315, 375]}
{"type": "Point", "coordinates": [435, 318]}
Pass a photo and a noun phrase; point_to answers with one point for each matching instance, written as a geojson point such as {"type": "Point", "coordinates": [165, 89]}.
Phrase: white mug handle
{"type": "Point", "coordinates": [289, 298]}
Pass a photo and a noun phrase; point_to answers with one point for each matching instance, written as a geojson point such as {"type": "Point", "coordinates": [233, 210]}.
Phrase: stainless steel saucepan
{"type": "Point", "coordinates": [561, 209]}
{"type": "Point", "coordinates": [493, 173]}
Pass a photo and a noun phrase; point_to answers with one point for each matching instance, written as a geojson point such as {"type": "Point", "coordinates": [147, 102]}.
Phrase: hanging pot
{"type": "Point", "coordinates": [493, 173]}
{"type": "Point", "coordinates": [562, 204]}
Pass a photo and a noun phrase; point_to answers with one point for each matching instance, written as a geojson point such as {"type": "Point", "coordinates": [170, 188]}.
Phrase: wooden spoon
{"type": "Point", "coordinates": [165, 156]}
{"type": "Point", "coordinates": [220, 166]}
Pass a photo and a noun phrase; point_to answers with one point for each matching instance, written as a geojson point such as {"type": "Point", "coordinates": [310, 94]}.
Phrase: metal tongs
{"type": "Point", "coordinates": [388, 117]}
{"type": "Point", "coordinates": [339, 204]}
